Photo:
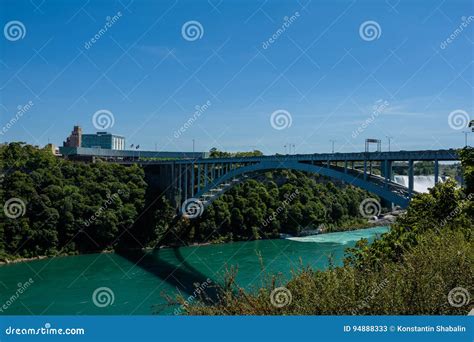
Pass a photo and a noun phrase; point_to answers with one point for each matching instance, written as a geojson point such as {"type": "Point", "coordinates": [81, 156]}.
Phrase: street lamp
{"type": "Point", "coordinates": [465, 136]}
{"type": "Point", "coordinates": [389, 139]}
{"type": "Point", "coordinates": [332, 141]}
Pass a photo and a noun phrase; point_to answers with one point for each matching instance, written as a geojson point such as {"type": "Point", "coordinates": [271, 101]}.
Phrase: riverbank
{"type": "Point", "coordinates": [383, 220]}
{"type": "Point", "coordinates": [13, 260]}
{"type": "Point", "coordinates": [386, 219]}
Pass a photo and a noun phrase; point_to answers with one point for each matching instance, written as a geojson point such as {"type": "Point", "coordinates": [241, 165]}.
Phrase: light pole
{"type": "Point", "coordinates": [332, 141]}
{"type": "Point", "coordinates": [389, 138]}
{"type": "Point", "coordinates": [465, 137]}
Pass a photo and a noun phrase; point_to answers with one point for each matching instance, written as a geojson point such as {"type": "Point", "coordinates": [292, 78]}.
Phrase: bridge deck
{"type": "Point", "coordinates": [423, 155]}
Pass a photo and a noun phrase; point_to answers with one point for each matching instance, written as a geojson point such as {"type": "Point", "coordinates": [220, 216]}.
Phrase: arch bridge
{"type": "Point", "coordinates": [191, 181]}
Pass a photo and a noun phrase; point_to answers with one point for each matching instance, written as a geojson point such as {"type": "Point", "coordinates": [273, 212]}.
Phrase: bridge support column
{"type": "Point", "coordinates": [180, 185]}
{"type": "Point", "coordinates": [345, 166]}
{"type": "Point", "coordinates": [173, 185]}
{"type": "Point", "coordinates": [436, 171]}
{"type": "Point", "coordinates": [199, 177]}
{"type": "Point", "coordinates": [192, 179]}
{"type": "Point", "coordinates": [365, 169]}
{"type": "Point", "coordinates": [387, 171]}
{"type": "Point", "coordinates": [411, 178]}
{"type": "Point", "coordinates": [185, 182]}
{"type": "Point", "coordinates": [205, 175]}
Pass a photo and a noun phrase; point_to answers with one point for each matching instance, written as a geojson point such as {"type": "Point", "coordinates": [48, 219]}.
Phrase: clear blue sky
{"type": "Point", "coordinates": [319, 69]}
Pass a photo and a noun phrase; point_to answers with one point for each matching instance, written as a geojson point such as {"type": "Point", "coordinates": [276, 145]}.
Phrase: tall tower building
{"type": "Point", "coordinates": [75, 139]}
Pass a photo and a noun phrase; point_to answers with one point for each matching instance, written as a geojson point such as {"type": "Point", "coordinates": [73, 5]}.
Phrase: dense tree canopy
{"type": "Point", "coordinates": [68, 207]}
{"type": "Point", "coordinates": [281, 202]}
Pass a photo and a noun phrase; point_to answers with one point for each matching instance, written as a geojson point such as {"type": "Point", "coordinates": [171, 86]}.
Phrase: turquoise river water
{"type": "Point", "coordinates": [137, 284]}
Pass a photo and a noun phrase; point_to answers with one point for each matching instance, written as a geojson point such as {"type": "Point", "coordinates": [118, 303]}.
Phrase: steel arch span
{"type": "Point", "coordinates": [203, 180]}
{"type": "Point", "coordinates": [389, 191]}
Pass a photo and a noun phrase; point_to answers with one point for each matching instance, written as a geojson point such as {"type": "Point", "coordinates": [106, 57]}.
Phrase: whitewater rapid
{"type": "Point", "coordinates": [421, 183]}
{"type": "Point", "coordinates": [342, 238]}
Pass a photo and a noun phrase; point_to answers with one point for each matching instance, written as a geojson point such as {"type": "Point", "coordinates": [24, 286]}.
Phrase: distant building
{"type": "Point", "coordinates": [99, 140]}
{"type": "Point", "coordinates": [103, 140]}
{"type": "Point", "coordinates": [75, 139]}
{"type": "Point", "coordinates": [53, 149]}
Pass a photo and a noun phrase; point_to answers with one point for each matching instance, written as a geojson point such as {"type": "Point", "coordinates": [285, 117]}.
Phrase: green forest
{"type": "Point", "coordinates": [67, 207]}
{"type": "Point", "coordinates": [413, 269]}
{"type": "Point", "coordinates": [64, 207]}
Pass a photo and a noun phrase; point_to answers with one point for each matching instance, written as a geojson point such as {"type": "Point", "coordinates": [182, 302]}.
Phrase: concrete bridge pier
{"type": "Point", "coordinates": [411, 178]}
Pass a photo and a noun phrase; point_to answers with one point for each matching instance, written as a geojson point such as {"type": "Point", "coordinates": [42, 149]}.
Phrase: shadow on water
{"type": "Point", "coordinates": [185, 278]}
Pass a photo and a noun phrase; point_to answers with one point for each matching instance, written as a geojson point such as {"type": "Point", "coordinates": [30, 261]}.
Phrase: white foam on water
{"type": "Point", "coordinates": [420, 183]}
{"type": "Point", "coordinates": [343, 237]}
